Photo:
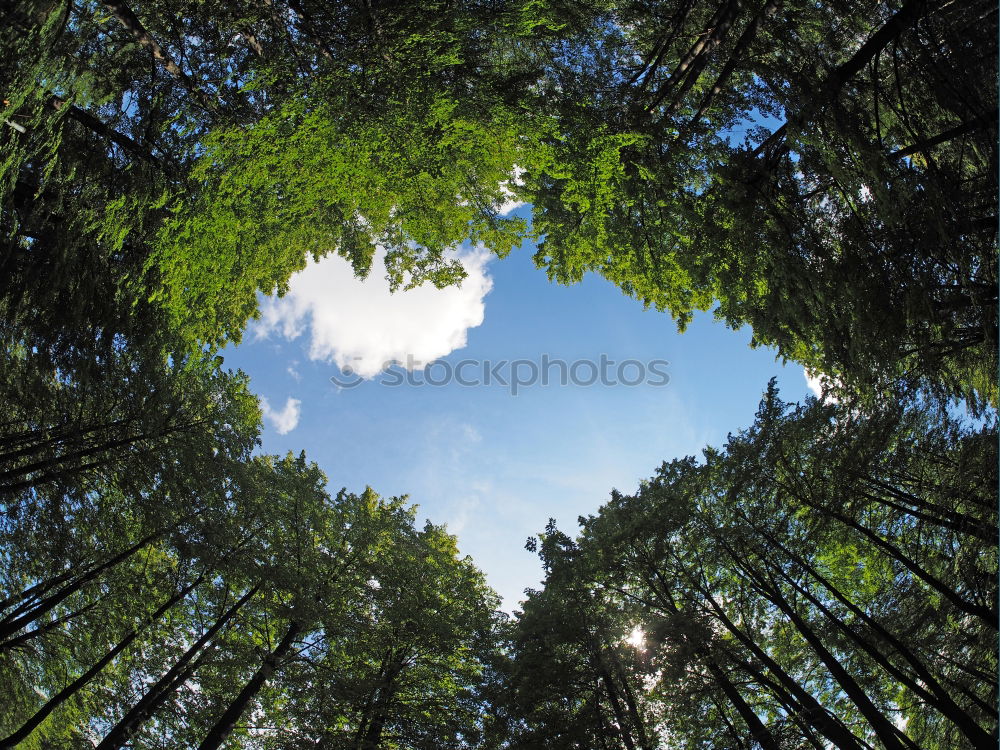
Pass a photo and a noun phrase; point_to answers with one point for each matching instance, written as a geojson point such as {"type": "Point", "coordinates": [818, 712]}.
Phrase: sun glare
{"type": "Point", "coordinates": [637, 638]}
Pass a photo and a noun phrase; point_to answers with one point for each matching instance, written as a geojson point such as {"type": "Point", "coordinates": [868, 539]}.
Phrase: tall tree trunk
{"type": "Point", "coordinates": [889, 735]}
{"type": "Point", "coordinates": [961, 522]}
{"type": "Point", "coordinates": [30, 594]}
{"type": "Point", "coordinates": [986, 614]}
{"type": "Point", "coordinates": [374, 724]}
{"type": "Point", "coordinates": [689, 66]}
{"type": "Point", "coordinates": [224, 726]}
{"type": "Point", "coordinates": [631, 704]}
{"type": "Point", "coordinates": [903, 19]}
{"type": "Point", "coordinates": [168, 683]}
{"type": "Point", "coordinates": [611, 690]}
{"type": "Point", "coordinates": [126, 144]}
{"type": "Point", "coordinates": [37, 441]}
{"type": "Point", "coordinates": [53, 703]}
{"type": "Point", "coordinates": [10, 626]}
{"type": "Point", "coordinates": [742, 45]}
{"type": "Point", "coordinates": [54, 462]}
{"type": "Point", "coordinates": [813, 711]}
{"type": "Point", "coordinates": [931, 690]}
{"type": "Point", "coordinates": [758, 730]}
{"type": "Point", "coordinates": [793, 708]}
{"type": "Point", "coordinates": [131, 22]}
{"type": "Point", "coordinates": [21, 640]}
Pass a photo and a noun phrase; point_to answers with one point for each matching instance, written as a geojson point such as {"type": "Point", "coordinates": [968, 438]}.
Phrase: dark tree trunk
{"type": "Point", "coordinates": [378, 711]}
{"type": "Point", "coordinates": [53, 703]}
{"type": "Point", "coordinates": [904, 18]}
{"type": "Point", "coordinates": [884, 729]}
{"type": "Point", "coordinates": [21, 640]}
{"type": "Point", "coordinates": [984, 613]}
{"type": "Point", "coordinates": [813, 711]}
{"type": "Point", "coordinates": [758, 730]}
{"type": "Point", "coordinates": [694, 60]}
{"type": "Point", "coordinates": [131, 22]}
{"type": "Point", "coordinates": [57, 465]}
{"type": "Point", "coordinates": [176, 676]}
{"type": "Point", "coordinates": [224, 726]}
{"type": "Point", "coordinates": [126, 144]}
{"type": "Point", "coordinates": [934, 693]}
{"type": "Point", "coordinates": [742, 45]}
{"type": "Point", "coordinates": [10, 626]}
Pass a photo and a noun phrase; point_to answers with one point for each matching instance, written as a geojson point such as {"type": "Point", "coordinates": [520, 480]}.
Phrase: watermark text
{"type": "Point", "coordinates": [513, 374]}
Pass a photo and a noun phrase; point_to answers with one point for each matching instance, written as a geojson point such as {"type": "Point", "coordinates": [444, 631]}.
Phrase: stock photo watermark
{"type": "Point", "coordinates": [513, 374]}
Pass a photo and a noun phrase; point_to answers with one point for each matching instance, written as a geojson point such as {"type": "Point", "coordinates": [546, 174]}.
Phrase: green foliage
{"type": "Point", "coordinates": [177, 193]}
{"type": "Point", "coordinates": [828, 559]}
{"type": "Point", "coordinates": [392, 624]}
{"type": "Point", "coordinates": [856, 238]}
{"type": "Point", "coordinates": [306, 181]}
{"type": "Point", "coordinates": [828, 578]}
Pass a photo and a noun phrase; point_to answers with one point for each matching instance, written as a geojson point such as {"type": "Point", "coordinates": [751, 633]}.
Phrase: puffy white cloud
{"type": "Point", "coordinates": [362, 325]}
{"type": "Point", "coordinates": [283, 421]}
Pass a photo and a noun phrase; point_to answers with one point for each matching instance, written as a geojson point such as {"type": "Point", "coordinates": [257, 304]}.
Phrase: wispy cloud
{"type": "Point", "coordinates": [362, 325]}
{"type": "Point", "coordinates": [283, 421]}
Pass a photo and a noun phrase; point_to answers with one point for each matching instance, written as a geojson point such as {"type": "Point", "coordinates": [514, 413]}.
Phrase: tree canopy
{"type": "Point", "coordinates": [825, 174]}
{"type": "Point", "coordinates": [828, 578]}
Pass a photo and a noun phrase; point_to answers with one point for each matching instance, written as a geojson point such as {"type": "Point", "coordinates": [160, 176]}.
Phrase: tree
{"type": "Point", "coordinates": [142, 174]}
{"type": "Point", "coordinates": [827, 577]}
{"type": "Point", "coordinates": [574, 675]}
{"type": "Point", "coordinates": [267, 614]}
{"type": "Point", "coordinates": [855, 238]}
{"type": "Point", "coordinates": [402, 666]}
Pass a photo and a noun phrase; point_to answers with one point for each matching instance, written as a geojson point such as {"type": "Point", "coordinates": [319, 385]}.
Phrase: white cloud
{"type": "Point", "coordinates": [816, 381]}
{"type": "Point", "coordinates": [363, 325]}
{"type": "Point", "coordinates": [511, 204]}
{"type": "Point", "coordinates": [283, 421]}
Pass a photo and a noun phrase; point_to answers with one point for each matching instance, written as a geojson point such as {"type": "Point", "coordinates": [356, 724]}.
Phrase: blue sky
{"type": "Point", "coordinates": [491, 465]}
